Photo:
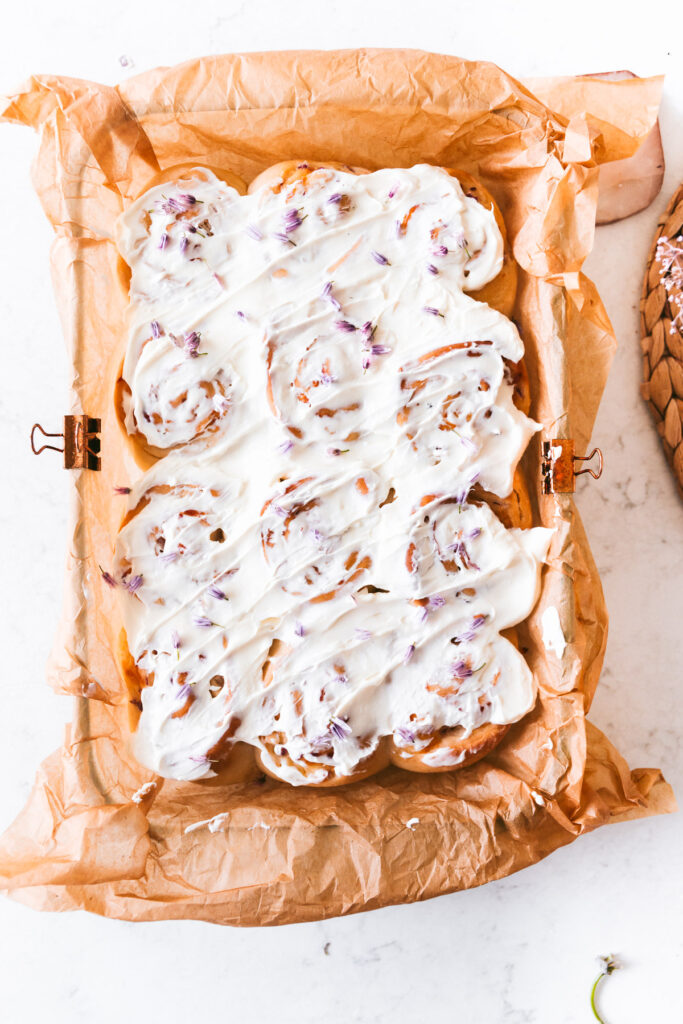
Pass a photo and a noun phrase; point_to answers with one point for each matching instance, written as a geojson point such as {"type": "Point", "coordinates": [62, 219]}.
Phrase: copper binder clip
{"type": "Point", "coordinates": [81, 444]}
{"type": "Point", "coordinates": [558, 466]}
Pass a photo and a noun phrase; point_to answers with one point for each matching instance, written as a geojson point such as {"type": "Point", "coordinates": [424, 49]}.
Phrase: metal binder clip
{"type": "Point", "coordinates": [558, 466]}
{"type": "Point", "coordinates": [81, 444]}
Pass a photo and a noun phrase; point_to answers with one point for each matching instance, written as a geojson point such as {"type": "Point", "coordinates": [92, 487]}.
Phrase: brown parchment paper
{"type": "Point", "coordinates": [272, 854]}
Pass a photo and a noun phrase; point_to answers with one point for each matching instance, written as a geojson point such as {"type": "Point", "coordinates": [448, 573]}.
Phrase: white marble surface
{"type": "Point", "coordinates": [520, 950]}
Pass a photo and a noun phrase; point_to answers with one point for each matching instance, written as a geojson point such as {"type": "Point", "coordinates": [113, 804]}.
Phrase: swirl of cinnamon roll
{"type": "Point", "coordinates": [309, 540]}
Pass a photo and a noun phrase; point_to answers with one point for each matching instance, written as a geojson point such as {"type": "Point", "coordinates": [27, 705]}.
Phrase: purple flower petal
{"type": "Point", "coordinates": [191, 343]}
{"type": "Point", "coordinates": [379, 258]}
{"type": "Point", "coordinates": [299, 629]}
{"type": "Point", "coordinates": [327, 294]}
{"type": "Point", "coordinates": [469, 634]}
{"type": "Point", "coordinates": [339, 728]}
{"type": "Point", "coordinates": [282, 237]}
{"type": "Point", "coordinates": [253, 232]}
{"type": "Point", "coordinates": [410, 651]}
{"type": "Point", "coordinates": [293, 220]}
{"type": "Point", "coordinates": [163, 240]}
{"type": "Point", "coordinates": [345, 325]}
{"type": "Point", "coordinates": [133, 584]}
{"type": "Point", "coordinates": [461, 669]}
{"type": "Point", "coordinates": [432, 269]}
{"type": "Point", "coordinates": [107, 577]}
{"type": "Point", "coordinates": [178, 204]}
{"type": "Point", "coordinates": [380, 350]}
{"type": "Point", "coordinates": [363, 634]}
{"type": "Point", "coordinates": [203, 622]}
{"type": "Point", "coordinates": [216, 592]}
{"type": "Point", "coordinates": [170, 556]}
{"type": "Point", "coordinates": [286, 446]}
{"type": "Point", "coordinates": [122, 490]}
{"type": "Point", "coordinates": [406, 735]}
{"type": "Point", "coordinates": [157, 330]}
{"type": "Point", "coordinates": [184, 242]}
{"type": "Point", "coordinates": [175, 640]}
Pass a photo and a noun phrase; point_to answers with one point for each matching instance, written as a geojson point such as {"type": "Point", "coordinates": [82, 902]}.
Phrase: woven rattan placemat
{"type": "Point", "coordinates": [661, 319]}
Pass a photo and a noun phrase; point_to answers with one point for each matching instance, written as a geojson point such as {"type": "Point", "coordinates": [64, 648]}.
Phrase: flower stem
{"type": "Point", "coordinates": [594, 991]}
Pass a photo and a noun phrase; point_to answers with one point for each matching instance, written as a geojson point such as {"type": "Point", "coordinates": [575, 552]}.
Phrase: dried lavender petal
{"type": "Point", "coordinates": [203, 622]}
{"type": "Point", "coordinates": [178, 204]}
{"type": "Point", "coordinates": [379, 258]}
{"type": "Point", "coordinates": [461, 669]}
{"type": "Point", "coordinates": [345, 325]}
{"type": "Point", "coordinates": [133, 584]}
{"type": "Point", "coordinates": [217, 593]}
{"type": "Point", "coordinates": [406, 735]}
{"type": "Point", "coordinates": [107, 577]}
{"type": "Point", "coordinates": [293, 220]}
{"type": "Point", "coordinates": [340, 728]}
{"type": "Point", "coordinates": [327, 294]}
{"type": "Point", "coordinates": [410, 651]}
{"type": "Point", "coordinates": [191, 343]}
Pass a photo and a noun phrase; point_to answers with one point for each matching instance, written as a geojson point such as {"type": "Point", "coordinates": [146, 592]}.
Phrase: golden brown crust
{"type": "Point", "coordinates": [450, 747]}
{"type": "Point", "coordinates": [501, 293]}
{"type": "Point", "coordinates": [191, 171]}
{"type": "Point", "coordinates": [513, 510]}
{"type": "Point", "coordinates": [378, 760]}
{"type": "Point", "coordinates": [294, 174]}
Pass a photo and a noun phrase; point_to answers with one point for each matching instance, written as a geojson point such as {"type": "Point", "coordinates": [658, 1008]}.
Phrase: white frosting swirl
{"type": "Point", "coordinates": [312, 576]}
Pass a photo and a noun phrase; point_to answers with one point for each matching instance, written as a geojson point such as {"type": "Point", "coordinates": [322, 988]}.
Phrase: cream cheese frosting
{"type": "Point", "coordinates": [304, 571]}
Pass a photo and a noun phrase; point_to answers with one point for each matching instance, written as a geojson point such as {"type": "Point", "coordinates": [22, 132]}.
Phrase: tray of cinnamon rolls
{"type": "Point", "coordinates": [322, 568]}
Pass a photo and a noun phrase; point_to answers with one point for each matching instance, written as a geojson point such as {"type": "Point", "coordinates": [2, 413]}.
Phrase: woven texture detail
{"type": "Point", "coordinates": [661, 319]}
